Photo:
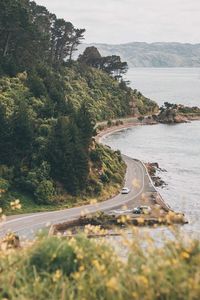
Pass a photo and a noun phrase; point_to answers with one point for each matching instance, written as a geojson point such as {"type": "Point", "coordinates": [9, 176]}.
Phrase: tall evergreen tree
{"type": "Point", "coordinates": [85, 122]}
{"type": "Point", "coordinates": [22, 134]}
{"type": "Point", "coordinates": [5, 137]}
{"type": "Point", "coordinates": [69, 163]}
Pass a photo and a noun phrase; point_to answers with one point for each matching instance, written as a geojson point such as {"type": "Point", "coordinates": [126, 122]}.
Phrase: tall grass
{"type": "Point", "coordinates": [83, 269]}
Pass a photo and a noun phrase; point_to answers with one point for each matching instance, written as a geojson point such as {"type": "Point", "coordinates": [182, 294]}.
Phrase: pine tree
{"type": "Point", "coordinates": [5, 137]}
{"type": "Point", "coordinates": [22, 134]}
{"type": "Point", "coordinates": [86, 122]}
{"type": "Point", "coordinates": [69, 163]}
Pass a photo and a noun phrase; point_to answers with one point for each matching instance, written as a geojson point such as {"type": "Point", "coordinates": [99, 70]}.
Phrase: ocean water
{"type": "Point", "coordinates": [175, 147]}
{"type": "Point", "coordinates": [177, 85]}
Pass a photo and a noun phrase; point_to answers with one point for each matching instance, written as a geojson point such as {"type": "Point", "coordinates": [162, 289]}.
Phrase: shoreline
{"type": "Point", "coordinates": [144, 194]}
{"type": "Point", "coordinates": [108, 131]}
{"type": "Point", "coordinates": [115, 128]}
{"type": "Point", "coordinates": [155, 203]}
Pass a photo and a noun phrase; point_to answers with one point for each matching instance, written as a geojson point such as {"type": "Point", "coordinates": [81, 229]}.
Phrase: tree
{"type": "Point", "coordinates": [44, 192]}
{"type": "Point", "coordinates": [75, 41]}
{"type": "Point", "coordinates": [22, 134]}
{"type": "Point", "coordinates": [20, 38]}
{"type": "Point", "coordinates": [29, 35]}
{"type": "Point", "coordinates": [86, 123]}
{"type": "Point", "coordinates": [91, 57]}
{"type": "Point", "coordinates": [114, 66]}
{"type": "Point", "coordinates": [5, 137]}
{"type": "Point", "coordinates": [69, 162]}
{"type": "Point", "coordinates": [109, 64]}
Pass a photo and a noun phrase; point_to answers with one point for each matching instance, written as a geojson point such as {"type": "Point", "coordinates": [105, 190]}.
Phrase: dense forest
{"type": "Point", "coordinates": [49, 105]}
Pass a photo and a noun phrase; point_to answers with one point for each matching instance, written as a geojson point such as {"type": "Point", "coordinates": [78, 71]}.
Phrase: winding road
{"type": "Point", "coordinates": [137, 180]}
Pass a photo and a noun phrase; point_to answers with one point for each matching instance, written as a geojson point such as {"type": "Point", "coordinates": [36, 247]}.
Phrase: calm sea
{"type": "Point", "coordinates": [175, 147]}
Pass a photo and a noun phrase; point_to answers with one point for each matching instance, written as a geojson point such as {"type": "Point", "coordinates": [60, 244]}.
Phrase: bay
{"type": "Point", "coordinates": [175, 147]}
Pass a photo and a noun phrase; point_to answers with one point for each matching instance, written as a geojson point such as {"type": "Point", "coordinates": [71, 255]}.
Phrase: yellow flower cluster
{"type": "Point", "coordinates": [112, 284]}
{"type": "Point", "coordinates": [93, 201]}
{"type": "Point", "coordinates": [15, 204]}
{"type": "Point", "coordinates": [2, 191]}
{"type": "Point", "coordinates": [124, 219]}
{"type": "Point", "coordinates": [57, 276]}
{"type": "Point", "coordinates": [94, 230]}
{"type": "Point", "coordinates": [100, 267]}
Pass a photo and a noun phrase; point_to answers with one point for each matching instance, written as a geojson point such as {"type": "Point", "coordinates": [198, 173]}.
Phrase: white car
{"type": "Point", "coordinates": [125, 190]}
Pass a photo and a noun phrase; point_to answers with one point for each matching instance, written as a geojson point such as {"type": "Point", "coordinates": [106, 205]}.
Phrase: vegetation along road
{"type": "Point", "coordinates": [137, 180]}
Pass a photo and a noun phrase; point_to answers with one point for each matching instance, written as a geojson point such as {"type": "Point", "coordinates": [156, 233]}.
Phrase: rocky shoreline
{"type": "Point", "coordinates": [161, 214]}
{"type": "Point", "coordinates": [176, 114]}
{"type": "Point", "coordinates": [153, 169]}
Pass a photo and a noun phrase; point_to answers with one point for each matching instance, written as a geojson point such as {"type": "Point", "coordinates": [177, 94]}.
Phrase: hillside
{"type": "Point", "coordinates": [139, 54]}
{"type": "Point", "coordinates": [49, 105]}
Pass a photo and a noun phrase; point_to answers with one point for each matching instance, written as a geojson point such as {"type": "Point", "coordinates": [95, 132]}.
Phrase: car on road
{"type": "Point", "coordinates": [142, 210]}
{"type": "Point", "coordinates": [125, 190]}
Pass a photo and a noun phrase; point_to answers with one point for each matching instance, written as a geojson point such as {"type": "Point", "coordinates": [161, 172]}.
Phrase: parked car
{"type": "Point", "coordinates": [125, 190]}
{"type": "Point", "coordinates": [142, 210]}
{"type": "Point", "coordinates": [137, 210]}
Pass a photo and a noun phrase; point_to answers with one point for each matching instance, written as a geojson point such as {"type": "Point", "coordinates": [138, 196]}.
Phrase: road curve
{"type": "Point", "coordinates": [27, 225]}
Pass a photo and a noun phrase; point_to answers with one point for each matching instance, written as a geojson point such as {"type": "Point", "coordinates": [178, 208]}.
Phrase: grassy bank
{"type": "Point", "coordinates": [85, 269]}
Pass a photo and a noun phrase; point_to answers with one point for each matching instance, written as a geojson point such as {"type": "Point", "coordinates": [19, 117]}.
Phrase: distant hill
{"type": "Point", "coordinates": [139, 54]}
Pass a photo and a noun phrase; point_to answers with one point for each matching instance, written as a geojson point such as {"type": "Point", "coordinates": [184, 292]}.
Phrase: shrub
{"type": "Point", "coordinates": [82, 268]}
{"type": "Point", "coordinates": [140, 119]}
{"type": "Point", "coordinates": [104, 178]}
{"type": "Point", "coordinates": [109, 123]}
{"type": "Point", "coordinates": [95, 155]}
{"type": "Point", "coordinates": [100, 127]}
{"type": "Point", "coordinates": [117, 178]}
{"type": "Point", "coordinates": [45, 192]}
{"type": "Point", "coordinates": [51, 255]}
{"type": "Point", "coordinates": [4, 184]}
{"type": "Point", "coordinates": [94, 187]}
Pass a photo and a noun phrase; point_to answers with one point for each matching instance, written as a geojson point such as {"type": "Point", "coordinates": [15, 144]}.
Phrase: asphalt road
{"type": "Point", "coordinates": [137, 180]}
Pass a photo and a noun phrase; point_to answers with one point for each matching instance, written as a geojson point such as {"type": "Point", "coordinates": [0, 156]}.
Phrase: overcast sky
{"type": "Point", "coordinates": [121, 21]}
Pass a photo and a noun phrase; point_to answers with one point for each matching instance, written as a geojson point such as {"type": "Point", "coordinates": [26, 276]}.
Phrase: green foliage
{"type": "Point", "coordinates": [82, 268]}
{"type": "Point", "coordinates": [44, 192]}
{"type": "Point", "coordinates": [109, 165]}
{"type": "Point", "coordinates": [30, 34]}
{"type": "Point", "coordinates": [102, 95]}
{"type": "Point", "coordinates": [109, 64]}
{"type": "Point", "coordinates": [144, 105]}
{"type": "Point", "coordinates": [46, 258]}
{"type": "Point", "coordinates": [67, 156]}
{"type": "Point", "coordinates": [4, 184]}
{"type": "Point", "coordinates": [49, 109]}
{"type": "Point", "coordinates": [90, 57]}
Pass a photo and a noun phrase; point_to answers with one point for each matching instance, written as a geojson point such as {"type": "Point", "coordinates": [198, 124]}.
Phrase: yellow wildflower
{"type": "Point", "coordinates": [135, 295]}
{"type": "Point", "coordinates": [112, 284]}
{"type": "Point", "coordinates": [185, 255]}
{"type": "Point", "coordinates": [140, 221]}
{"type": "Point", "coordinates": [57, 275]}
{"type": "Point", "coordinates": [15, 204]}
{"type": "Point", "coordinates": [76, 275]}
{"type": "Point", "coordinates": [143, 280]}
{"type": "Point", "coordinates": [81, 269]}
{"type": "Point", "coordinates": [93, 201]}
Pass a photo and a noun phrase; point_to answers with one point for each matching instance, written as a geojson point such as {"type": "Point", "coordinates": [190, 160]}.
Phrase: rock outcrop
{"type": "Point", "coordinates": [171, 116]}
{"type": "Point", "coordinates": [153, 168]}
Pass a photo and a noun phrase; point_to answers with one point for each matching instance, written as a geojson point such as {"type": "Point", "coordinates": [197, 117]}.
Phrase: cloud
{"type": "Point", "coordinates": [119, 21]}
